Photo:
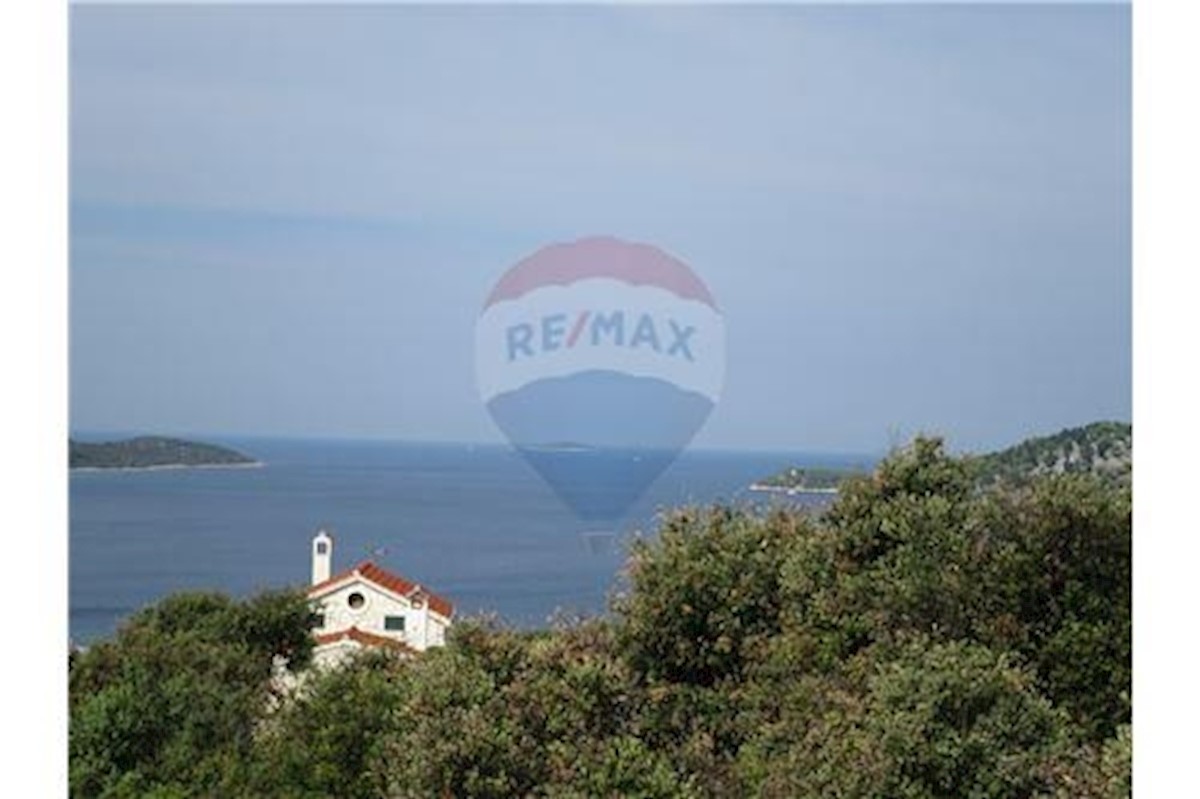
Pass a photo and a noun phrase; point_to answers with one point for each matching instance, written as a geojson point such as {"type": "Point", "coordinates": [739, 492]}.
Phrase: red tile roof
{"type": "Point", "coordinates": [362, 637]}
{"type": "Point", "coordinates": [392, 582]}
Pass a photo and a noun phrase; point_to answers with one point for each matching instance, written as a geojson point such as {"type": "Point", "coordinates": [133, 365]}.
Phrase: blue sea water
{"type": "Point", "coordinates": [473, 522]}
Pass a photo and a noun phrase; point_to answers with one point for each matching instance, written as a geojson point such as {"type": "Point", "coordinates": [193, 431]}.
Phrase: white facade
{"type": "Point", "coordinates": [358, 602]}
{"type": "Point", "coordinates": [369, 606]}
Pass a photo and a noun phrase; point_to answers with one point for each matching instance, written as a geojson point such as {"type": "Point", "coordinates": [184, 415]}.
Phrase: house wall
{"type": "Point", "coordinates": [422, 629]}
{"type": "Point", "coordinates": [436, 630]}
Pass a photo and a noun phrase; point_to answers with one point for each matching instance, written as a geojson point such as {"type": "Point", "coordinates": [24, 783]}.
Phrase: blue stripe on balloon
{"type": "Point", "coordinates": [600, 438]}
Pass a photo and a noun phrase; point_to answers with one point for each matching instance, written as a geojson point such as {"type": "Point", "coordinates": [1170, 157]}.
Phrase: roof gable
{"type": "Point", "coordinates": [371, 573]}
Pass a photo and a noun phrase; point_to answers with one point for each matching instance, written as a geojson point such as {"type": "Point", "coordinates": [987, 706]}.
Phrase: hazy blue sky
{"type": "Point", "coordinates": [285, 220]}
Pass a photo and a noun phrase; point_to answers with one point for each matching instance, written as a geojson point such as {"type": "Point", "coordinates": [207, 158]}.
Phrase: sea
{"type": "Point", "coordinates": [472, 522]}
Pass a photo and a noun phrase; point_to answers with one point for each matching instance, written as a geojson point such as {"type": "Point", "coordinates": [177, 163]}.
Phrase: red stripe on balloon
{"type": "Point", "coordinates": [577, 329]}
{"type": "Point", "coordinates": [635, 264]}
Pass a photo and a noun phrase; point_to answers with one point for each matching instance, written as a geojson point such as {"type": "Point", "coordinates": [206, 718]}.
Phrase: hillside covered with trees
{"type": "Point", "coordinates": [147, 452]}
{"type": "Point", "coordinates": [921, 638]}
{"type": "Point", "coordinates": [1101, 448]}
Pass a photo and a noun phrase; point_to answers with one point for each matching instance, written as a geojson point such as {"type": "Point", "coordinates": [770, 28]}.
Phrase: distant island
{"type": "Point", "coordinates": [153, 452]}
{"type": "Point", "coordinates": [560, 446]}
{"type": "Point", "coordinates": [805, 480]}
{"type": "Point", "coordinates": [1101, 448]}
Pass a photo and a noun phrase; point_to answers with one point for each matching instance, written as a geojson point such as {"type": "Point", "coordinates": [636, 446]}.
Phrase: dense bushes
{"type": "Point", "coordinates": [922, 639]}
{"type": "Point", "coordinates": [706, 594]}
{"type": "Point", "coordinates": [170, 707]}
{"type": "Point", "coordinates": [930, 719]}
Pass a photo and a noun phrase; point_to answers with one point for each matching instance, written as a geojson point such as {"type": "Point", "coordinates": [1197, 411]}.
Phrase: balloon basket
{"type": "Point", "coordinates": [599, 542]}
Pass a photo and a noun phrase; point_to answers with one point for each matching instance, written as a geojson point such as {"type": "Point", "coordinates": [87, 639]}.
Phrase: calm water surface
{"type": "Point", "coordinates": [474, 523]}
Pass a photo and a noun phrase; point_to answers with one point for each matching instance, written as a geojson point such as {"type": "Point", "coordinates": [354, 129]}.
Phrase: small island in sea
{"type": "Point", "coordinates": [561, 446]}
{"type": "Point", "coordinates": [805, 480]}
{"type": "Point", "coordinates": [154, 452]}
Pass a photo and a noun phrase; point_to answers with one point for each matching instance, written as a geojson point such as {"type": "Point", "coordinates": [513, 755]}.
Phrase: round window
{"type": "Point", "coordinates": [356, 600]}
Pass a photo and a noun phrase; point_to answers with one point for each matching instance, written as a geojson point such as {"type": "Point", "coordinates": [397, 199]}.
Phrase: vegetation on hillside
{"type": "Point", "coordinates": [150, 451]}
{"type": "Point", "coordinates": [922, 638]}
{"type": "Point", "coordinates": [1101, 448]}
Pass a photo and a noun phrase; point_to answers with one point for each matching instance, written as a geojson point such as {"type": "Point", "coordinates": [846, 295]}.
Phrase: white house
{"type": "Point", "coordinates": [367, 606]}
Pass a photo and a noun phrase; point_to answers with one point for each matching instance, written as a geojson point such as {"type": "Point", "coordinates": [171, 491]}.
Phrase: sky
{"type": "Point", "coordinates": [286, 220]}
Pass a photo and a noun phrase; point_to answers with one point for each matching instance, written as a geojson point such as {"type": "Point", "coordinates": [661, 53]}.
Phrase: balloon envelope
{"type": "Point", "coordinates": [600, 360]}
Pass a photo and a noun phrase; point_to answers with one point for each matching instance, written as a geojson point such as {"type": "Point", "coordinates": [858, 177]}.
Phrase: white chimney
{"type": "Point", "coordinates": [322, 557]}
